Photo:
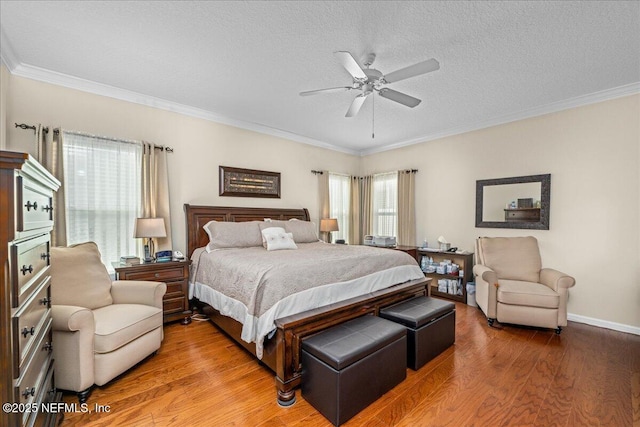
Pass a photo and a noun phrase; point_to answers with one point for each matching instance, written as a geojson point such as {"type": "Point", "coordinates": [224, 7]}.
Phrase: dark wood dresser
{"type": "Point", "coordinates": [26, 359]}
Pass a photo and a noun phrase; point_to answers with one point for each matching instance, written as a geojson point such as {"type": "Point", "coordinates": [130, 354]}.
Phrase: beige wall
{"type": "Point", "coordinates": [4, 89]}
{"type": "Point", "coordinates": [200, 146]}
{"type": "Point", "coordinates": [593, 156]}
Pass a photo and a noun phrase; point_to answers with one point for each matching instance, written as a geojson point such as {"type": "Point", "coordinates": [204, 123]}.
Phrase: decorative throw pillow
{"type": "Point", "coordinates": [275, 238]}
{"type": "Point", "coordinates": [78, 277]}
{"type": "Point", "coordinates": [232, 234]}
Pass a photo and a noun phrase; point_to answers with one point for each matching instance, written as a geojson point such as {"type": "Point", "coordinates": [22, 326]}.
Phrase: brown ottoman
{"type": "Point", "coordinates": [431, 327]}
{"type": "Point", "coordinates": [347, 367]}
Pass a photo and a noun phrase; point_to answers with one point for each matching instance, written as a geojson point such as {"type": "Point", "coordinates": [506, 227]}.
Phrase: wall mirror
{"type": "Point", "coordinates": [518, 202]}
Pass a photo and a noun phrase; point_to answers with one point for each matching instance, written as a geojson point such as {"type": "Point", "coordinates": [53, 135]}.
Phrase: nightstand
{"type": "Point", "coordinates": [175, 274]}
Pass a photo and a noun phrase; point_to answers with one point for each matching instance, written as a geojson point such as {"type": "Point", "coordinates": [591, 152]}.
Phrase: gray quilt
{"type": "Point", "coordinates": [259, 278]}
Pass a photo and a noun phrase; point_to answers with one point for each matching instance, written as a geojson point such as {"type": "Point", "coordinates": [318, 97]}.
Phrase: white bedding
{"type": "Point", "coordinates": [254, 288]}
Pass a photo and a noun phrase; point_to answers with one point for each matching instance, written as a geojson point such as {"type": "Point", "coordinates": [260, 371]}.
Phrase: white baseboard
{"type": "Point", "coordinates": [604, 324]}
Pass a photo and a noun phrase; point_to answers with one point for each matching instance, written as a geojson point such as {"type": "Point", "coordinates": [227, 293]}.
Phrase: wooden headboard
{"type": "Point", "coordinates": [198, 216]}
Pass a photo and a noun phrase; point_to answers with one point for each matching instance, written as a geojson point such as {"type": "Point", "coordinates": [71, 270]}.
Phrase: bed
{"type": "Point", "coordinates": [279, 347]}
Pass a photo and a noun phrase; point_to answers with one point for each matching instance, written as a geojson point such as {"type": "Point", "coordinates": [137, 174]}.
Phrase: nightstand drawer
{"type": "Point", "coordinates": [173, 305]}
{"type": "Point", "coordinates": [175, 289]}
{"type": "Point", "coordinates": [176, 276]}
{"type": "Point", "coordinates": [160, 275]}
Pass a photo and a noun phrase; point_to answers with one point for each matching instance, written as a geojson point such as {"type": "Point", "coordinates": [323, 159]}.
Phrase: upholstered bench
{"type": "Point", "coordinates": [431, 327]}
{"type": "Point", "coordinates": [347, 367]}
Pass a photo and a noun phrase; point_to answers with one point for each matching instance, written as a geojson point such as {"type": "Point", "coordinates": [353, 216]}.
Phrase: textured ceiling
{"type": "Point", "coordinates": [244, 63]}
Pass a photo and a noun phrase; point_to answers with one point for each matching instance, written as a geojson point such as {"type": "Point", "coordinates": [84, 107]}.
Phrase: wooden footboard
{"type": "Point", "coordinates": [282, 352]}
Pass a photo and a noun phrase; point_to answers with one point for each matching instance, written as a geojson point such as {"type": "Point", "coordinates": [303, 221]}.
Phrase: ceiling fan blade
{"type": "Point", "coordinates": [355, 105]}
{"type": "Point", "coordinates": [399, 97]}
{"type": "Point", "coordinates": [329, 90]}
{"type": "Point", "coordinates": [413, 70]}
{"type": "Point", "coordinates": [351, 65]}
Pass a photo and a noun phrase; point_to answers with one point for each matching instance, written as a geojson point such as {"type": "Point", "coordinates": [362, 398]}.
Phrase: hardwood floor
{"type": "Point", "coordinates": [503, 376]}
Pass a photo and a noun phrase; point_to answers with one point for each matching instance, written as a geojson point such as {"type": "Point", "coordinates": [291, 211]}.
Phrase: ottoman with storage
{"type": "Point", "coordinates": [431, 327]}
{"type": "Point", "coordinates": [347, 367]}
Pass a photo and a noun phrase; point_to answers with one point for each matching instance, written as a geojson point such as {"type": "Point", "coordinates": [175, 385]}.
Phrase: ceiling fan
{"type": "Point", "coordinates": [369, 80]}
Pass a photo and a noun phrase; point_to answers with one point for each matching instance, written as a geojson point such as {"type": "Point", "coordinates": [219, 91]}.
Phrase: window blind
{"type": "Point", "coordinates": [103, 193]}
{"type": "Point", "coordinates": [385, 204]}
{"type": "Point", "coordinates": [339, 203]}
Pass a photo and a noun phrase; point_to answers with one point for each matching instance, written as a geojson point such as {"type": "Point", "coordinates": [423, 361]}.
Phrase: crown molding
{"type": "Point", "coordinates": [47, 76]}
{"type": "Point", "coordinates": [65, 80]}
{"type": "Point", "coordinates": [579, 101]}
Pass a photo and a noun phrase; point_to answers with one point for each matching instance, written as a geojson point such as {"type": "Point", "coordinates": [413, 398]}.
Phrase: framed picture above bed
{"type": "Point", "coordinates": [236, 182]}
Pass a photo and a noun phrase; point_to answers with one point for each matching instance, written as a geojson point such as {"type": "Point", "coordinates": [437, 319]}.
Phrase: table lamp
{"type": "Point", "coordinates": [328, 225]}
{"type": "Point", "coordinates": [148, 228]}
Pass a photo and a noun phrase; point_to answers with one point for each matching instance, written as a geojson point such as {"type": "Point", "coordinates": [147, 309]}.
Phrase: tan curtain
{"type": "Point", "coordinates": [50, 156]}
{"type": "Point", "coordinates": [355, 228]}
{"type": "Point", "coordinates": [155, 190]}
{"type": "Point", "coordinates": [366, 200]}
{"type": "Point", "coordinates": [40, 143]}
{"type": "Point", "coordinates": [406, 208]}
{"type": "Point", "coordinates": [323, 193]}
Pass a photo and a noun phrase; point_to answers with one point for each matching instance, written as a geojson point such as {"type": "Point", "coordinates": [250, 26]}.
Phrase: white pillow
{"type": "Point", "coordinates": [275, 238]}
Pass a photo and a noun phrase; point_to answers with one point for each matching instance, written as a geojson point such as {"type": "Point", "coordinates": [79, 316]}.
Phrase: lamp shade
{"type": "Point", "coordinates": [149, 227]}
{"type": "Point", "coordinates": [329, 224]}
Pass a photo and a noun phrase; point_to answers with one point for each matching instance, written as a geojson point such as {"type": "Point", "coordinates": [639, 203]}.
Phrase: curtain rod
{"type": "Point", "coordinates": [157, 147]}
{"type": "Point", "coordinates": [32, 127]}
{"type": "Point", "coordinates": [316, 172]}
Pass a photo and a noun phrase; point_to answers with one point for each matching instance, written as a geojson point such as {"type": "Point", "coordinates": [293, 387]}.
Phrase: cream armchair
{"type": "Point", "coordinates": [512, 286]}
{"type": "Point", "coordinates": [100, 328]}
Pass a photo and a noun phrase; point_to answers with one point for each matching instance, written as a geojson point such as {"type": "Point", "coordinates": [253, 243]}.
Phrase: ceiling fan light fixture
{"type": "Point", "coordinates": [369, 80]}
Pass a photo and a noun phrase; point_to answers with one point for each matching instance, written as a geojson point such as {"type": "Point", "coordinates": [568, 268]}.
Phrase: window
{"type": "Point", "coordinates": [385, 204]}
{"type": "Point", "coordinates": [103, 193]}
{"type": "Point", "coordinates": [339, 202]}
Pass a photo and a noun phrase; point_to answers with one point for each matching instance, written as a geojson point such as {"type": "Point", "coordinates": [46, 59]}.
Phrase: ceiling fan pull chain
{"type": "Point", "coordinates": [373, 119]}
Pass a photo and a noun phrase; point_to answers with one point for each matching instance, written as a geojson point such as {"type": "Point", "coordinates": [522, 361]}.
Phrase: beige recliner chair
{"type": "Point", "coordinates": [100, 328]}
{"type": "Point", "coordinates": [512, 286]}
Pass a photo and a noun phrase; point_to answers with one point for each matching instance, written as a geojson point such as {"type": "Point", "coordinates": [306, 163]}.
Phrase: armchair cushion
{"type": "Point", "coordinates": [78, 277]}
{"type": "Point", "coordinates": [119, 324]}
{"type": "Point", "coordinates": [516, 292]}
{"type": "Point", "coordinates": [515, 258]}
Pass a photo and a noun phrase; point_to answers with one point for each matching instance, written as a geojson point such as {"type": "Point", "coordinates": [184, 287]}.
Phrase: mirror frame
{"type": "Point", "coordinates": [545, 202]}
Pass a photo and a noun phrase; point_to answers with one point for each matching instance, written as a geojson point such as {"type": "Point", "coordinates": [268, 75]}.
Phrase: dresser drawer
{"type": "Point", "coordinates": [47, 396]}
{"type": "Point", "coordinates": [29, 263]}
{"type": "Point", "coordinates": [30, 384]}
{"type": "Point", "coordinates": [34, 205]}
{"type": "Point", "coordinates": [160, 275]}
{"type": "Point", "coordinates": [29, 322]}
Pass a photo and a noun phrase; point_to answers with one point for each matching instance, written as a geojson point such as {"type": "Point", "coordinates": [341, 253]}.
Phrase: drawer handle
{"type": "Point", "coordinates": [29, 331]}
{"type": "Point", "coordinates": [45, 301]}
{"type": "Point", "coordinates": [30, 205]}
{"type": "Point", "coordinates": [29, 392]}
{"type": "Point", "coordinates": [26, 269]}
{"type": "Point", "coordinates": [47, 208]}
{"type": "Point", "coordinates": [48, 347]}
{"type": "Point", "coordinates": [45, 255]}
{"type": "Point", "coordinates": [157, 275]}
